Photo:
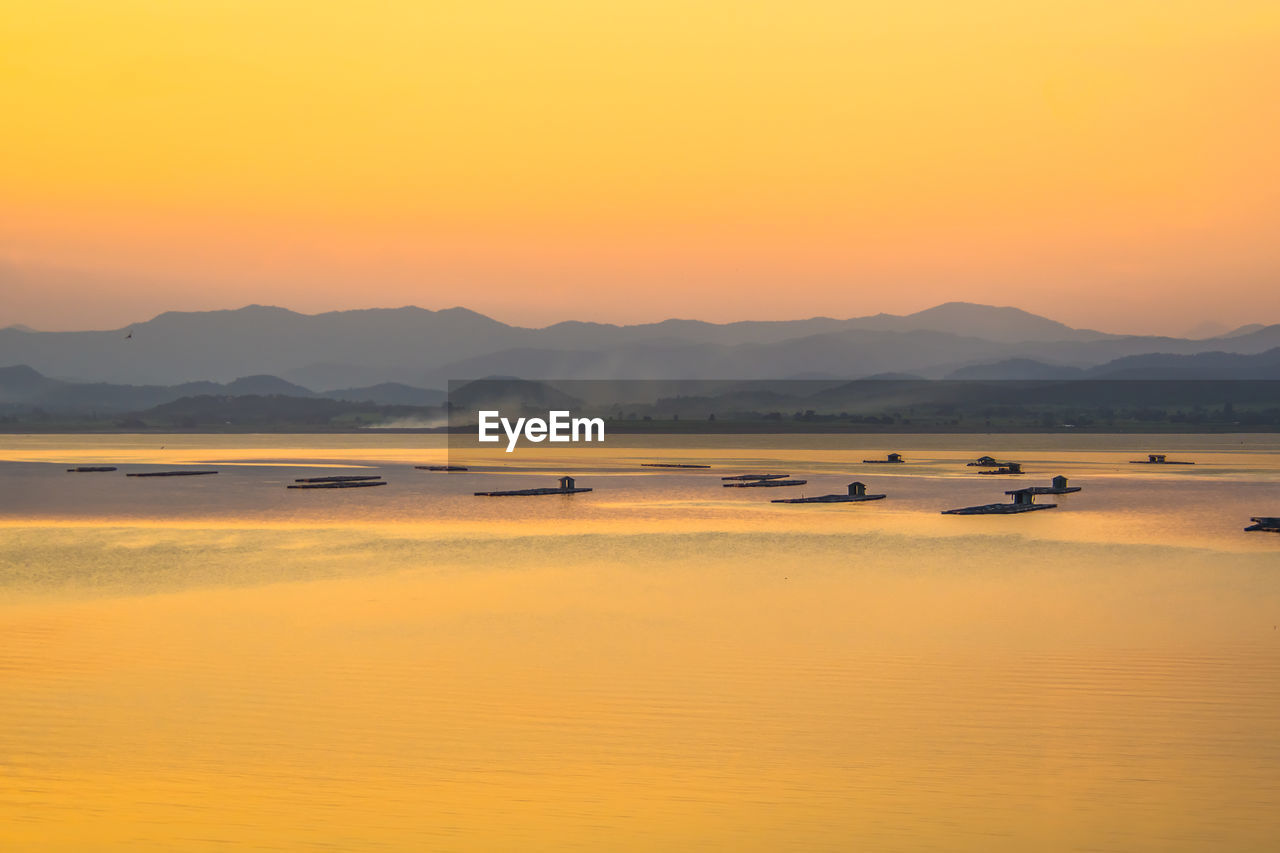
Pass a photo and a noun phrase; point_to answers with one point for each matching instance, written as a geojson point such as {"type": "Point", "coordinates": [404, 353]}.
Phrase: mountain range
{"type": "Point", "coordinates": [398, 356]}
{"type": "Point", "coordinates": [23, 388]}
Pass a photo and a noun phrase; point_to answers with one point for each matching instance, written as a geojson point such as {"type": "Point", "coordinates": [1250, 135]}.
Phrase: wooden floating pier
{"type": "Point", "coordinates": [344, 478]}
{"type": "Point", "coordinates": [857, 494]}
{"type": "Point", "coordinates": [746, 477]}
{"type": "Point", "coordinates": [1005, 468]}
{"type": "Point", "coordinates": [1157, 459]}
{"type": "Point", "coordinates": [339, 484]}
{"type": "Point", "coordinates": [1023, 501]}
{"type": "Point", "coordinates": [764, 484]}
{"type": "Point", "coordinates": [567, 487]}
{"type": "Point", "coordinates": [171, 474]}
{"type": "Point", "coordinates": [670, 465]}
{"type": "Point", "coordinates": [1059, 487]}
{"type": "Point", "coordinates": [90, 469]}
{"type": "Point", "coordinates": [1270, 524]}
{"type": "Point", "coordinates": [441, 467]}
{"type": "Point", "coordinates": [891, 459]}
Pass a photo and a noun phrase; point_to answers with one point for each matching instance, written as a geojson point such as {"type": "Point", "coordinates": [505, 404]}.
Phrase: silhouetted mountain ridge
{"type": "Point", "coordinates": [1150, 366]}
{"type": "Point", "coordinates": [421, 348]}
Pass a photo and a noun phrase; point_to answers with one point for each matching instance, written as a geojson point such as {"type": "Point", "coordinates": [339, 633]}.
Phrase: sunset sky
{"type": "Point", "coordinates": [1108, 164]}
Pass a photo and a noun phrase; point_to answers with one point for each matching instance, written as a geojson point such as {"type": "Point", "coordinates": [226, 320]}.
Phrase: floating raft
{"type": "Point", "coordinates": [1059, 487]}
{"type": "Point", "coordinates": [670, 465]}
{"type": "Point", "coordinates": [829, 499]}
{"type": "Point", "coordinates": [1023, 501]}
{"type": "Point", "coordinates": [441, 467]}
{"type": "Point", "coordinates": [997, 509]}
{"type": "Point", "coordinates": [567, 487]}
{"type": "Point", "coordinates": [1157, 459]}
{"type": "Point", "coordinates": [518, 493]}
{"type": "Point", "coordinates": [857, 494]}
{"type": "Point", "coordinates": [340, 484]}
{"type": "Point", "coordinates": [171, 474]}
{"type": "Point", "coordinates": [764, 484]}
{"type": "Point", "coordinates": [746, 477]}
{"type": "Point", "coordinates": [344, 478]}
{"type": "Point", "coordinates": [892, 459]}
{"type": "Point", "coordinates": [90, 469]}
{"type": "Point", "coordinates": [1267, 523]}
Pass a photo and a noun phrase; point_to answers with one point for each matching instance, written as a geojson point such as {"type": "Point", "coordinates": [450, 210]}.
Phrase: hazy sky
{"type": "Point", "coordinates": [1110, 164]}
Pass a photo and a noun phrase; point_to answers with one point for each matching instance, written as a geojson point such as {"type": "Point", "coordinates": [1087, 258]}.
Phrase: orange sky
{"type": "Point", "coordinates": [1107, 164]}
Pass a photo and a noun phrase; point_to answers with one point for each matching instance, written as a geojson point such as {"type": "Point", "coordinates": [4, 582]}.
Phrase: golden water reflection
{"type": "Point", "coordinates": [660, 669]}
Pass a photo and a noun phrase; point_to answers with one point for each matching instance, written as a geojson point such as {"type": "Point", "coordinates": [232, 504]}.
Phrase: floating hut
{"type": "Point", "coordinates": [1157, 459]}
{"type": "Point", "coordinates": [891, 459]}
{"type": "Point", "coordinates": [857, 494]}
{"type": "Point", "coordinates": [343, 478]}
{"type": "Point", "coordinates": [90, 469]}
{"type": "Point", "coordinates": [1005, 468]}
{"type": "Point", "coordinates": [670, 465]}
{"type": "Point", "coordinates": [441, 467]}
{"type": "Point", "coordinates": [567, 487]}
{"type": "Point", "coordinates": [339, 484]}
{"type": "Point", "coordinates": [1262, 522]}
{"type": "Point", "coordinates": [171, 474]}
{"type": "Point", "coordinates": [985, 462]}
{"type": "Point", "coordinates": [1023, 501]}
{"type": "Point", "coordinates": [757, 477]}
{"type": "Point", "coordinates": [1059, 487]}
{"type": "Point", "coordinates": [764, 484]}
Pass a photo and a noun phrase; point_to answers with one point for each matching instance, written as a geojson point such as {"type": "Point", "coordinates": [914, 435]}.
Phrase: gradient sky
{"type": "Point", "coordinates": [1108, 164]}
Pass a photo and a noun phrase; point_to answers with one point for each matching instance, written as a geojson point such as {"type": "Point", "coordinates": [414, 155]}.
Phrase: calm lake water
{"type": "Point", "coordinates": [661, 664]}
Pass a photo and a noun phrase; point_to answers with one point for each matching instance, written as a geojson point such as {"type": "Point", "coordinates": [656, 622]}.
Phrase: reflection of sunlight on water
{"type": "Point", "coordinates": [659, 664]}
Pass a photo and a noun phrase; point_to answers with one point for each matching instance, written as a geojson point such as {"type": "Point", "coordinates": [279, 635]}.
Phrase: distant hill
{"type": "Point", "coordinates": [23, 388]}
{"type": "Point", "coordinates": [1008, 325]}
{"type": "Point", "coordinates": [422, 349]}
{"type": "Point", "coordinates": [264, 385]}
{"type": "Point", "coordinates": [1205, 365]}
{"type": "Point", "coordinates": [1154, 366]}
{"type": "Point", "coordinates": [1017, 368]}
{"type": "Point", "coordinates": [262, 411]}
{"type": "Point", "coordinates": [510, 394]}
{"type": "Point", "coordinates": [1244, 330]}
{"type": "Point", "coordinates": [389, 393]}
{"type": "Point", "coordinates": [221, 345]}
{"type": "Point", "coordinates": [19, 382]}
{"type": "Point", "coordinates": [1246, 339]}
{"type": "Point", "coordinates": [843, 354]}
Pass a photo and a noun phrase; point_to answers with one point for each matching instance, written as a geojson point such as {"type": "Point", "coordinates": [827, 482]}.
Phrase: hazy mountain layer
{"type": "Point", "coordinates": [24, 389]}
{"type": "Point", "coordinates": [421, 349]}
